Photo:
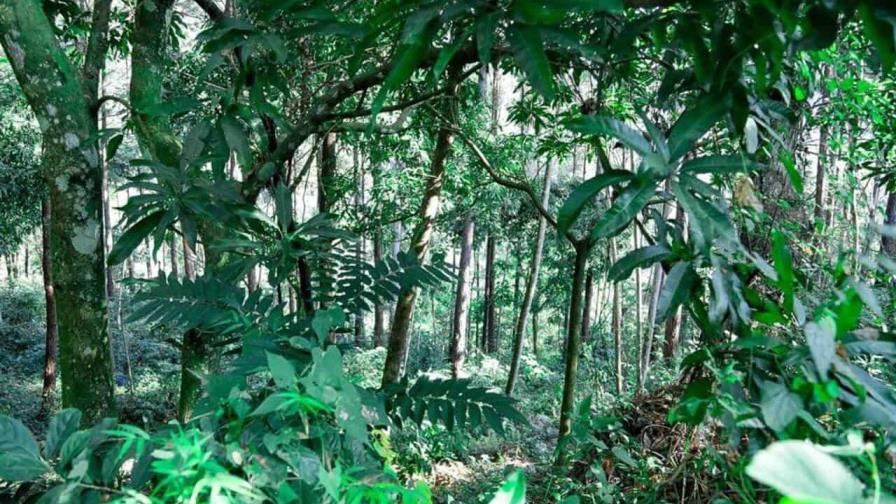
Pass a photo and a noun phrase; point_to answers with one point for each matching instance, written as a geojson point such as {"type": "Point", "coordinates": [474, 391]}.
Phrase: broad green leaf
{"type": "Point", "coordinates": [447, 53]}
{"type": "Point", "coordinates": [640, 258]}
{"type": "Point", "coordinates": [582, 194]}
{"type": "Point", "coordinates": [804, 473]}
{"type": "Point", "coordinates": [625, 208]}
{"type": "Point", "coordinates": [820, 336]}
{"type": "Point", "coordinates": [485, 36]}
{"type": "Point", "coordinates": [513, 491]}
{"type": "Point", "coordinates": [528, 50]}
{"type": "Point", "coordinates": [880, 32]}
{"type": "Point", "coordinates": [19, 455]}
{"type": "Point", "coordinates": [602, 125]}
{"type": "Point", "coordinates": [676, 289]}
{"type": "Point", "coordinates": [779, 405]}
{"type": "Point", "coordinates": [694, 123]}
{"type": "Point", "coordinates": [282, 370]}
{"type": "Point", "coordinates": [720, 164]}
{"type": "Point", "coordinates": [237, 140]}
{"type": "Point", "coordinates": [131, 238]}
{"type": "Point", "coordinates": [113, 145]}
{"type": "Point", "coordinates": [407, 59]}
{"type": "Point", "coordinates": [63, 425]}
{"type": "Point", "coordinates": [784, 268]}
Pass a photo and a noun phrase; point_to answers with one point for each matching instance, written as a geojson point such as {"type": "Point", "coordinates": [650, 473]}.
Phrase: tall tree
{"type": "Point", "coordinates": [489, 335]}
{"type": "Point", "coordinates": [462, 299]}
{"type": "Point", "coordinates": [64, 100]}
{"type": "Point", "coordinates": [399, 334]}
{"type": "Point", "coordinates": [531, 286]}
{"type": "Point", "coordinates": [51, 346]}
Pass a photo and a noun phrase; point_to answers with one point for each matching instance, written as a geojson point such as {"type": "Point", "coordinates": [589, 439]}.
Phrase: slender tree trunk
{"type": "Point", "coordinates": [52, 333]}
{"type": "Point", "coordinates": [618, 348]}
{"type": "Point", "coordinates": [189, 268]}
{"type": "Point", "coordinates": [490, 336]}
{"type": "Point", "coordinates": [888, 241]}
{"type": "Point", "coordinates": [586, 309]}
{"type": "Point", "coordinates": [462, 300]}
{"type": "Point", "coordinates": [638, 309]}
{"type": "Point", "coordinates": [399, 334]}
{"type": "Point", "coordinates": [656, 286]}
{"type": "Point", "coordinates": [531, 286]}
{"type": "Point", "coordinates": [172, 250]}
{"type": "Point", "coordinates": [572, 349]}
{"type": "Point", "coordinates": [378, 310]}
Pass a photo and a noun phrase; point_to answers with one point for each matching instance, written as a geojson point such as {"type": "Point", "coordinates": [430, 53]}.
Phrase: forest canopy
{"type": "Point", "coordinates": [447, 251]}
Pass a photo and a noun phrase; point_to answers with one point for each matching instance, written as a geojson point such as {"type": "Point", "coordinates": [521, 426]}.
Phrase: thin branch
{"type": "Point", "coordinates": [211, 9]}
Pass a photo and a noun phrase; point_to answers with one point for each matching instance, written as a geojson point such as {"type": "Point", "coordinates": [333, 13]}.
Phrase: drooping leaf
{"type": "Point", "coordinates": [640, 258]}
{"type": "Point", "coordinates": [19, 455]}
{"type": "Point", "coordinates": [805, 473]}
{"type": "Point", "coordinates": [694, 123]}
{"type": "Point", "coordinates": [582, 194]}
{"type": "Point", "coordinates": [675, 290]}
{"type": "Point", "coordinates": [820, 337]}
{"type": "Point", "coordinates": [779, 405]}
{"type": "Point", "coordinates": [131, 238]}
{"type": "Point", "coordinates": [602, 125]}
{"type": "Point", "coordinates": [784, 268]}
{"type": "Point", "coordinates": [62, 425]}
{"type": "Point", "coordinates": [720, 165]}
{"type": "Point", "coordinates": [626, 207]}
{"type": "Point", "coordinates": [528, 50]}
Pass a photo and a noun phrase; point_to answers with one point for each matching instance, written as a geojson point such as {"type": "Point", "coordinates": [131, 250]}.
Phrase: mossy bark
{"type": "Point", "coordinates": [56, 94]}
{"type": "Point", "coordinates": [572, 349]}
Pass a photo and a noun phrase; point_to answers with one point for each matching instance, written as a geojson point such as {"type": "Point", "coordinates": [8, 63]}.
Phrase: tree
{"type": "Point", "coordinates": [64, 100]}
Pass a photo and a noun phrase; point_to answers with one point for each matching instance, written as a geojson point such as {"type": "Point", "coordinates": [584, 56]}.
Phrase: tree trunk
{"type": "Point", "coordinates": [378, 312]}
{"type": "Point", "coordinates": [189, 269]}
{"type": "Point", "coordinates": [617, 324]}
{"type": "Point", "coordinates": [586, 309]}
{"type": "Point", "coordinates": [531, 286]}
{"type": "Point", "coordinates": [638, 309]}
{"type": "Point", "coordinates": [572, 349]}
{"type": "Point", "coordinates": [462, 300]}
{"type": "Point", "coordinates": [172, 250]}
{"type": "Point", "coordinates": [399, 334]}
{"type": "Point", "coordinates": [51, 347]}
{"type": "Point", "coordinates": [656, 286]}
{"type": "Point", "coordinates": [63, 99]}
{"type": "Point", "coordinates": [888, 241]}
{"type": "Point", "coordinates": [490, 336]}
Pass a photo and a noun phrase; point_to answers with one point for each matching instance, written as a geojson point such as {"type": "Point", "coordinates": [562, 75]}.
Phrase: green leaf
{"type": "Point", "coordinates": [820, 336]}
{"type": "Point", "coordinates": [113, 145]}
{"type": "Point", "coordinates": [19, 455]}
{"type": "Point", "coordinates": [513, 491]}
{"type": "Point", "coordinates": [675, 290]}
{"type": "Point", "coordinates": [602, 125]}
{"type": "Point", "coordinates": [485, 36]}
{"type": "Point", "coordinates": [779, 405]}
{"type": "Point", "coordinates": [131, 238]}
{"type": "Point", "coordinates": [784, 268]}
{"type": "Point", "coordinates": [804, 473]}
{"type": "Point", "coordinates": [625, 208]}
{"type": "Point", "coordinates": [582, 194]}
{"type": "Point", "coordinates": [282, 370]}
{"type": "Point", "coordinates": [720, 164]}
{"type": "Point", "coordinates": [880, 33]}
{"type": "Point", "coordinates": [63, 425]}
{"type": "Point", "coordinates": [236, 140]}
{"type": "Point", "coordinates": [407, 58]}
{"type": "Point", "coordinates": [528, 50]}
{"type": "Point", "coordinates": [796, 179]}
{"type": "Point", "coordinates": [694, 123]}
{"type": "Point", "coordinates": [447, 53]}
{"type": "Point", "coordinates": [640, 258]}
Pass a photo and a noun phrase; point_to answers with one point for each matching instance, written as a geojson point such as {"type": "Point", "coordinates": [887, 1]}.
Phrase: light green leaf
{"type": "Point", "coordinates": [805, 473]}
{"type": "Point", "coordinates": [784, 268]}
{"type": "Point", "coordinates": [513, 491]}
{"type": "Point", "coordinates": [602, 125]}
{"type": "Point", "coordinates": [820, 337]}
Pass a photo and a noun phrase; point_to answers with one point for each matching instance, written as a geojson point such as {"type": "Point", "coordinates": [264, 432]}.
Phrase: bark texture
{"type": "Point", "coordinates": [462, 299]}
